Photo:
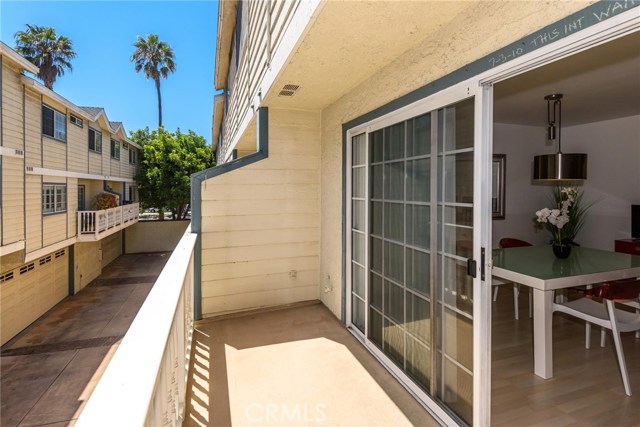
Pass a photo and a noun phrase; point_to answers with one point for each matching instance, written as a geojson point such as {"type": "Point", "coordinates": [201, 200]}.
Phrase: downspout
{"type": "Point", "coordinates": [262, 118]}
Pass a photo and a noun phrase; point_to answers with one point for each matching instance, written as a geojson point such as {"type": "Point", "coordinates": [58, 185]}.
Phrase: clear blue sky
{"type": "Point", "coordinates": [103, 33]}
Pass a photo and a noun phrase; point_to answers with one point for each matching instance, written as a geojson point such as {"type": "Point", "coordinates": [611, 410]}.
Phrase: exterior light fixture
{"type": "Point", "coordinates": [559, 166]}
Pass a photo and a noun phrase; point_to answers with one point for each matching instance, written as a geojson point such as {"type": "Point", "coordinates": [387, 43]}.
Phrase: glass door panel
{"type": "Point", "coordinates": [411, 234]}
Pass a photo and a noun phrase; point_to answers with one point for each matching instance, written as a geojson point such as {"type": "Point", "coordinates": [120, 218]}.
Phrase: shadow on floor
{"type": "Point", "coordinates": [291, 366]}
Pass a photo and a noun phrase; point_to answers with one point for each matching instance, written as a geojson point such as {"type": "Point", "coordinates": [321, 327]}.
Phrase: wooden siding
{"type": "Point", "coordinates": [260, 223]}
{"type": "Point", "coordinates": [265, 24]}
{"type": "Point", "coordinates": [30, 294]}
{"type": "Point", "coordinates": [33, 112]}
{"type": "Point", "coordinates": [78, 144]}
{"type": "Point", "coordinates": [12, 91]}
{"type": "Point", "coordinates": [72, 207]}
{"type": "Point", "coordinates": [12, 199]}
{"type": "Point", "coordinates": [34, 212]}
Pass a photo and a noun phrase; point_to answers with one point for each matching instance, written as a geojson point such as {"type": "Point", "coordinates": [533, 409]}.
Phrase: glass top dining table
{"type": "Point", "coordinates": [538, 268]}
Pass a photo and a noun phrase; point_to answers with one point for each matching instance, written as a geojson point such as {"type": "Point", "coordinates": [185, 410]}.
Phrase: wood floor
{"type": "Point", "coordinates": [586, 389]}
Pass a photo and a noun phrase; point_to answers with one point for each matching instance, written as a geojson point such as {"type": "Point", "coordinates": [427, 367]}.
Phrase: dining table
{"type": "Point", "coordinates": [537, 267]}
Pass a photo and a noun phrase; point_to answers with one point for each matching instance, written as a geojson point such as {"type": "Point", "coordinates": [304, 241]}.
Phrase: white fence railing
{"type": "Point", "coordinates": [97, 222]}
{"type": "Point", "coordinates": [145, 382]}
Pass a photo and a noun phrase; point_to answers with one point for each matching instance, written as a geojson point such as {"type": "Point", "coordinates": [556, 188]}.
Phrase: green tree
{"type": "Point", "coordinates": [167, 162]}
{"type": "Point", "coordinates": [46, 50]}
{"type": "Point", "coordinates": [156, 59]}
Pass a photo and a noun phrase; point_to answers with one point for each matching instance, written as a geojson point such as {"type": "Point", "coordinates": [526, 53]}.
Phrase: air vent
{"type": "Point", "coordinates": [288, 90]}
{"type": "Point", "coordinates": [45, 260]}
{"type": "Point", "coordinates": [6, 277]}
{"type": "Point", "coordinates": [59, 253]}
{"type": "Point", "coordinates": [26, 268]}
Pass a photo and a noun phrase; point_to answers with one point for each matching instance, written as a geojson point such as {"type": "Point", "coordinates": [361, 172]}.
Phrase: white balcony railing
{"type": "Point", "coordinates": [145, 382]}
{"type": "Point", "coordinates": [93, 225]}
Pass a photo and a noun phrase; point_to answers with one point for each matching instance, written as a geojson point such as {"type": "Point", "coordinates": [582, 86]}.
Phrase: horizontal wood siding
{"type": "Point", "coordinates": [34, 212]}
{"type": "Point", "coordinates": [33, 111]}
{"type": "Point", "coordinates": [266, 24]}
{"type": "Point", "coordinates": [12, 199]}
{"type": "Point", "coordinates": [78, 142]}
{"type": "Point", "coordinates": [12, 89]}
{"type": "Point", "coordinates": [54, 154]}
{"type": "Point", "coordinates": [72, 207]}
{"type": "Point", "coordinates": [95, 163]}
{"type": "Point", "coordinates": [54, 228]}
{"type": "Point", "coordinates": [260, 223]}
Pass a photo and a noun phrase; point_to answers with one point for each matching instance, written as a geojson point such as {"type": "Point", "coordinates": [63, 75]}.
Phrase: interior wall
{"type": "Point", "coordinates": [613, 180]}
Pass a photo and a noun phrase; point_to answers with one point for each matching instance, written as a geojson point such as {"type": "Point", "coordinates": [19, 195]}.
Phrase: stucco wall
{"type": "Point", "coordinates": [153, 236]}
{"type": "Point", "coordinates": [260, 223]}
{"type": "Point", "coordinates": [478, 31]}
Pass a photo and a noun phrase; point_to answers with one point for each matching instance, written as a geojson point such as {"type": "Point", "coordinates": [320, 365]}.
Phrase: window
{"type": "Point", "coordinates": [95, 141]}
{"type": "Point", "coordinates": [76, 120]}
{"type": "Point", "coordinates": [115, 149]}
{"type": "Point", "coordinates": [132, 156]}
{"type": "Point", "coordinates": [54, 123]}
{"type": "Point", "coordinates": [54, 198]}
{"type": "Point", "coordinates": [132, 194]}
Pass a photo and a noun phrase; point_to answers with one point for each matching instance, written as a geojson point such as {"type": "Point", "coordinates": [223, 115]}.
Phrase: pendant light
{"type": "Point", "coordinates": [559, 166]}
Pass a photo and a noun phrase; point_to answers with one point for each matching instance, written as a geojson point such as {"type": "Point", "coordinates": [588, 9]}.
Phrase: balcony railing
{"type": "Point", "coordinates": [94, 225]}
{"type": "Point", "coordinates": [145, 382]}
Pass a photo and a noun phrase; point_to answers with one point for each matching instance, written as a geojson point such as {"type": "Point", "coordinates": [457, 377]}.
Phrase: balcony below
{"type": "Point", "coordinates": [96, 225]}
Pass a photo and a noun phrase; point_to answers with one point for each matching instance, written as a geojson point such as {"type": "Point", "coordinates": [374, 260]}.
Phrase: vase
{"type": "Point", "coordinates": [561, 251]}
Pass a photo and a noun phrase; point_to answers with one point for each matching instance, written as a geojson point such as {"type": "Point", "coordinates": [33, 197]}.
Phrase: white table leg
{"type": "Point", "coordinates": [542, 333]}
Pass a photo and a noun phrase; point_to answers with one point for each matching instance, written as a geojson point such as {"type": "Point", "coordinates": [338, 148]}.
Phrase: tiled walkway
{"type": "Point", "coordinates": [49, 371]}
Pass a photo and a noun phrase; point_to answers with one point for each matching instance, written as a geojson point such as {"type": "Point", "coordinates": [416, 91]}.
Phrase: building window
{"type": "Point", "coordinates": [54, 123]}
{"type": "Point", "coordinates": [54, 198]}
{"type": "Point", "coordinates": [132, 156]}
{"type": "Point", "coordinates": [95, 141]}
{"type": "Point", "coordinates": [115, 149]}
{"type": "Point", "coordinates": [76, 120]}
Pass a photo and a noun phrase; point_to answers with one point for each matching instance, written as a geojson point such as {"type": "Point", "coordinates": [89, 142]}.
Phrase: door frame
{"type": "Point", "coordinates": [456, 93]}
{"type": "Point", "coordinates": [480, 86]}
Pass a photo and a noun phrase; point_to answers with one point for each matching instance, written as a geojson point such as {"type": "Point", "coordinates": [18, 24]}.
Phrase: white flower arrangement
{"type": "Point", "coordinates": [566, 219]}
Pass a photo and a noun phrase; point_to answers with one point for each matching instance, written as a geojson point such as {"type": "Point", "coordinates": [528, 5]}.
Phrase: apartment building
{"type": "Point", "coordinates": [355, 144]}
{"type": "Point", "coordinates": [56, 159]}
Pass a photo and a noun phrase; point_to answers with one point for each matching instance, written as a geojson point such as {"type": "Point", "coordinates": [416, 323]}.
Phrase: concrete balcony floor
{"type": "Point", "coordinates": [48, 372]}
{"type": "Point", "coordinates": [291, 366]}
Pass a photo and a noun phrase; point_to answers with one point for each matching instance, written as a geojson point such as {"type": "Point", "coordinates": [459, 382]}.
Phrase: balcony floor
{"type": "Point", "coordinates": [291, 366]}
{"type": "Point", "coordinates": [48, 372]}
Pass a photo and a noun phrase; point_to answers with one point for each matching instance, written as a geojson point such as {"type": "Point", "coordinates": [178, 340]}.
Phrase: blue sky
{"type": "Point", "coordinates": [103, 33]}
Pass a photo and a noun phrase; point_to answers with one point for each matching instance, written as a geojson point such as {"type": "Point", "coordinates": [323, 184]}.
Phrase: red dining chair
{"type": "Point", "coordinates": [607, 315]}
{"type": "Point", "coordinates": [509, 242]}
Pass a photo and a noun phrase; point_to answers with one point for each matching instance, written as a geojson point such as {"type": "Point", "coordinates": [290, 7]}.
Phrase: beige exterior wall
{"type": "Point", "coordinates": [260, 234]}
{"type": "Point", "coordinates": [154, 236]}
{"type": "Point", "coordinates": [111, 248]}
{"type": "Point", "coordinates": [87, 263]}
{"type": "Point", "coordinates": [35, 288]}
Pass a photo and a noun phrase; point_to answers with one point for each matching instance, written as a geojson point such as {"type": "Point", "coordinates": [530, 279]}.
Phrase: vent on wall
{"type": "Point", "coordinates": [288, 90]}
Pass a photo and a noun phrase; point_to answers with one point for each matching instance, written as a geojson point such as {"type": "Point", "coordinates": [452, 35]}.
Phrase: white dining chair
{"type": "Point", "coordinates": [607, 315]}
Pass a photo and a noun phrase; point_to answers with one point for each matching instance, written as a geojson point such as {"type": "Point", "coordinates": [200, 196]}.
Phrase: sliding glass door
{"type": "Point", "coordinates": [411, 234]}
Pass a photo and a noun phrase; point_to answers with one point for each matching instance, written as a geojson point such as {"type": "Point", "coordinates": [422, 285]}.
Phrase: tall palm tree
{"type": "Point", "coordinates": [50, 53]}
{"type": "Point", "coordinates": [156, 59]}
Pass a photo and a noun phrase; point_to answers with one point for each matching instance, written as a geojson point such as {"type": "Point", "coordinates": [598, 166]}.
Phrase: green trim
{"type": "Point", "coordinates": [262, 118]}
{"type": "Point", "coordinates": [574, 23]}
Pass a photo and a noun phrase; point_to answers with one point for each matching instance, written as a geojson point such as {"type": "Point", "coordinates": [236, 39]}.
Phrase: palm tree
{"type": "Point", "coordinates": [156, 58]}
{"type": "Point", "coordinates": [50, 53]}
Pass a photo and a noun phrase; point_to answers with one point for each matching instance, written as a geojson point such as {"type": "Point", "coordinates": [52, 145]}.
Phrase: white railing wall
{"type": "Point", "coordinates": [145, 382]}
{"type": "Point", "coordinates": [97, 222]}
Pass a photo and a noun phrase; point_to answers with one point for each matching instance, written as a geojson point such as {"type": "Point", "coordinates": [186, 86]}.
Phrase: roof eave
{"type": "Point", "coordinates": [218, 115]}
{"type": "Point", "coordinates": [226, 23]}
{"type": "Point", "coordinates": [15, 57]}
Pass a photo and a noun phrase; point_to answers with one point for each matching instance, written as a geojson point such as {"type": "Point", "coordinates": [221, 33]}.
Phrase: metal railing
{"type": "Point", "coordinates": [145, 382]}
{"type": "Point", "coordinates": [97, 222]}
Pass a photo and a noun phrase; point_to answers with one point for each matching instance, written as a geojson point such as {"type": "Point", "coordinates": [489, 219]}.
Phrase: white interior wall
{"type": "Point", "coordinates": [613, 179]}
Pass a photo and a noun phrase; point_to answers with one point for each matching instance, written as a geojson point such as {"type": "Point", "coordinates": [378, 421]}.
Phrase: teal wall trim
{"type": "Point", "coordinates": [591, 15]}
{"type": "Point", "coordinates": [72, 264]}
{"type": "Point", "coordinates": [197, 178]}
